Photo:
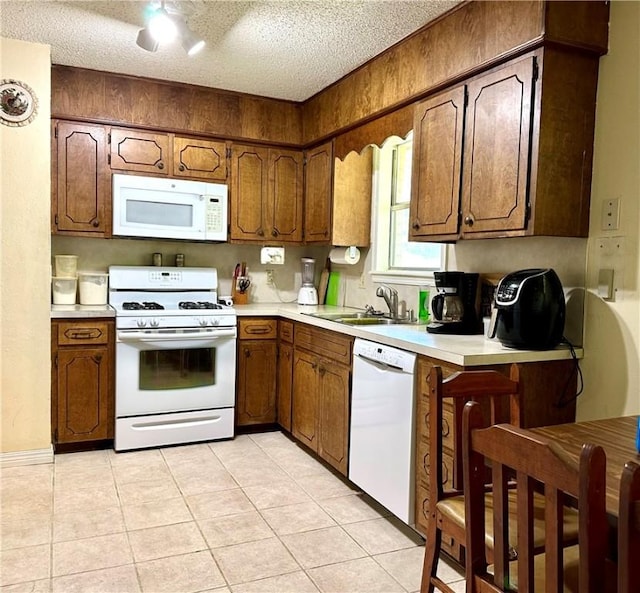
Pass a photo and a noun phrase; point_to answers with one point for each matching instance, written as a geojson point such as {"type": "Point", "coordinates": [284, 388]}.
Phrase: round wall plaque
{"type": "Point", "coordinates": [18, 103]}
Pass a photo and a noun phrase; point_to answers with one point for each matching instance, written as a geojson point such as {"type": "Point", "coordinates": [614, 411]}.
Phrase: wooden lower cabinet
{"type": "Point", "coordinates": [256, 372]}
{"type": "Point", "coordinates": [321, 392]}
{"type": "Point", "coordinates": [285, 374]}
{"type": "Point", "coordinates": [83, 401]}
{"type": "Point", "coordinates": [546, 385]}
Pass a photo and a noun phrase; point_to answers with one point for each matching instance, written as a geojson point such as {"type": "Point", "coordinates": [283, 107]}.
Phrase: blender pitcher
{"type": "Point", "coordinates": [308, 295]}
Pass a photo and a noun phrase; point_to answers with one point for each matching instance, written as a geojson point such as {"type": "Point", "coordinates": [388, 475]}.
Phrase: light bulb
{"type": "Point", "coordinates": [162, 27]}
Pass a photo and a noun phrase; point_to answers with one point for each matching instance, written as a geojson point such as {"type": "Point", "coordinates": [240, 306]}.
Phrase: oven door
{"type": "Point", "coordinates": [159, 371]}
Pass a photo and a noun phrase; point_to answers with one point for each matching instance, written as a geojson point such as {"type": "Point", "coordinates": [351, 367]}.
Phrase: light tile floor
{"type": "Point", "coordinates": [257, 514]}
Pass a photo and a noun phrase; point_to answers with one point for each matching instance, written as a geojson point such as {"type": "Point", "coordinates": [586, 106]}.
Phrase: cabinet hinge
{"type": "Point", "coordinates": [109, 138]}
{"type": "Point", "coordinates": [55, 132]}
{"type": "Point", "coordinates": [535, 69]}
{"type": "Point", "coordinates": [466, 97]}
{"type": "Point", "coordinates": [527, 213]}
{"type": "Point", "coordinates": [228, 152]}
{"type": "Point", "coordinates": [55, 219]}
{"type": "Point", "coordinates": [109, 159]}
{"type": "Point", "coordinates": [55, 361]}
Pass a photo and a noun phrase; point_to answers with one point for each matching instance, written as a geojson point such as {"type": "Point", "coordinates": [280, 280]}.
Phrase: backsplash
{"type": "Point", "coordinates": [492, 256]}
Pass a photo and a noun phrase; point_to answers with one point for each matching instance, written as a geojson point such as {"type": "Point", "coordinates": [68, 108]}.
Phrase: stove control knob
{"type": "Point", "coordinates": [215, 322]}
{"type": "Point", "coordinates": [141, 322]}
{"type": "Point", "coordinates": [202, 322]}
{"type": "Point", "coordinates": [154, 323]}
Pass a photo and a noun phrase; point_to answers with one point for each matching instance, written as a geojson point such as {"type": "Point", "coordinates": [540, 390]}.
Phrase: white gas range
{"type": "Point", "coordinates": [175, 356]}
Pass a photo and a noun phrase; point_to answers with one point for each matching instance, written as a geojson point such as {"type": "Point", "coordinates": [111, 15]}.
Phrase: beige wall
{"type": "Point", "coordinates": [612, 329]}
{"type": "Point", "coordinates": [24, 258]}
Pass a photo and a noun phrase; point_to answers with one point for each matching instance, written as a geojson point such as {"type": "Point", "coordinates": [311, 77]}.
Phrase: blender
{"type": "Point", "coordinates": [308, 295]}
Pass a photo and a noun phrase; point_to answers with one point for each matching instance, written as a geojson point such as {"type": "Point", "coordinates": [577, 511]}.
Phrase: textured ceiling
{"type": "Point", "coordinates": [276, 48]}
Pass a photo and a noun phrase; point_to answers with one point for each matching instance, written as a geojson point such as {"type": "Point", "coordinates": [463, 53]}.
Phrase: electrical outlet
{"type": "Point", "coordinates": [269, 277]}
{"type": "Point", "coordinates": [362, 282]}
{"type": "Point", "coordinates": [611, 214]}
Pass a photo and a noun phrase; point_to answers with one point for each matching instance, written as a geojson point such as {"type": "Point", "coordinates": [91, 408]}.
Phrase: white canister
{"type": "Point", "coordinates": [64, 290]}
{"type": "Point", "coordinates": [93, 288]}
{"type": "Point", "coordinates": [66, 266]}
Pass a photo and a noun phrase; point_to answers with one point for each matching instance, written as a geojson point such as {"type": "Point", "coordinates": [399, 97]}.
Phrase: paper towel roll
{"type": "Point", "coordinates": [345, 255]}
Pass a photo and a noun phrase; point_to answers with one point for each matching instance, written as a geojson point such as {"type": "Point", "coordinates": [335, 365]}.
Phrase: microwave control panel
{"type": "Point", "coordinates": [214, 215]}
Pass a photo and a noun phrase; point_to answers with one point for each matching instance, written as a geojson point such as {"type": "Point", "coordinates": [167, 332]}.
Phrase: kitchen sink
{"type": "Point", "coordinates": [356, 318]}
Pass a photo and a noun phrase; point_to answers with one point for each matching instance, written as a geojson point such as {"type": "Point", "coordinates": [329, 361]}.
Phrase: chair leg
{"type": "Point", "coordinates": [431, 555]}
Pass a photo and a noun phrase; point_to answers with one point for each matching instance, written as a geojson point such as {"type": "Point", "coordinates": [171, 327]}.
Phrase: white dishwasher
{"type": "Point", "coordinates": [381, 454]}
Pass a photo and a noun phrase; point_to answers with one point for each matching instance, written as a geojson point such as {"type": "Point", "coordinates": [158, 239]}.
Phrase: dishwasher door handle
{"type": "Point", "coordinates": [381, 365]}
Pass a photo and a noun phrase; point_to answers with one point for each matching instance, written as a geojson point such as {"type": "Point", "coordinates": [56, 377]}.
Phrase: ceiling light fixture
{"type": "Point", "coordinates": [163, 26]}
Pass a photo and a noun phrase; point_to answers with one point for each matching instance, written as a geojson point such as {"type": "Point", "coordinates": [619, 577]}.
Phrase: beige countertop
{"type": "Point", "coordinates": [460, 350]}
{"type": "Point", "coordinates": [81, 311]}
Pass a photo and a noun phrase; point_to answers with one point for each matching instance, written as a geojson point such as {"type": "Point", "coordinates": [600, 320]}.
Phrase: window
{"type": "Point", "coordinates": [393, 254]}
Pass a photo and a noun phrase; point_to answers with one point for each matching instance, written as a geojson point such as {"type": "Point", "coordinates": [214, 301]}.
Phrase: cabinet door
{"type": "Point", "coordinates": [304, 424]}
{"type": "Point", "coordinates": [496, 149]}
{"type": "Point", "coordinates": [83, 394]}
{"type": "Point", "coordinates": [256, 400]}
{"type": "Point", "coordinates": [333, 426]}
{"type": "Point", "coordinates": [285, 196]}
{"type": "Point", "coordinates": [318, 185]}
{"type": "Point", "coordinates": [199, 159]}
{"type": "Point", "coordinates": [133, 150]}
{"type": "Point", "coordinates": [437, 160]}
{"type": "Point", "coordinates": [248, 199]}
{"type": "Point", "coordinates": [285, 385]}
{"type": "Point", "coordinates": [82, 195]}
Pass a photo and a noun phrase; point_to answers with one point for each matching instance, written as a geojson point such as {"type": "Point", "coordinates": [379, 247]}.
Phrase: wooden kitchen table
{"type": "Point", "coordinates": [617, 436]}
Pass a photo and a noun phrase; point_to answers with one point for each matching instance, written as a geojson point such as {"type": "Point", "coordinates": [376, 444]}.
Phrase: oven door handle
{"type": "Point", "coordinates": [158, 335]}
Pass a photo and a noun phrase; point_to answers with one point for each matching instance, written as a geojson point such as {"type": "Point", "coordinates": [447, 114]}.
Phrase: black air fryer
{"type": "Point", "coordinates": [529, 310]}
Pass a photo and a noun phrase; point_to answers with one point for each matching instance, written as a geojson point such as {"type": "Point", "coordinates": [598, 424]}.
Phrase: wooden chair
{"type": "Point", "coordinates": [537, 462]}
{"type": "Point", "coordinates": [500, 394]}
{"type": "Point", "coordinates": [629, 530]}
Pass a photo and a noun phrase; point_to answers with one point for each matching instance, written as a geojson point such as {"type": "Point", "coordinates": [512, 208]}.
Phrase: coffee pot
{"type": "Point", "coordinates": [455, 306]}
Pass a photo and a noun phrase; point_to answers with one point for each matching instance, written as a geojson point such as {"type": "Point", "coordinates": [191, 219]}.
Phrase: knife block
{"type": "Point", "coordinates": [239, 298]}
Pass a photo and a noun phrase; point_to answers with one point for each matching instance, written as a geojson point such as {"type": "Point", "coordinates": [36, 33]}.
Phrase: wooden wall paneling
{"type": "Point", "coordinates": [395, 123]}
{"type": "Point", "coordinates": [429, 58]}
{"type": "Point", "coordinates": [562, 167]}
{"type": "Point", "coordinates": [583, 23]}
{"type": "Point", "coordinates": [79, 93]}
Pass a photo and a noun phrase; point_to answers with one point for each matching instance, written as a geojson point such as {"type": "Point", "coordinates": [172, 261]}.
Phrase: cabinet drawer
{"type": "Point", "coordinates": [325, 343]}
{"type": "Point", "coordinates": [424, 471]}
{"type": "Point", "coordinates": [286, 331]}
{"type": "Point", "coordinates": [448, 424]}
{"type": "Point", "coordinates": [83, 332]}
{"type": "Point", "coordinates": [257, 329]}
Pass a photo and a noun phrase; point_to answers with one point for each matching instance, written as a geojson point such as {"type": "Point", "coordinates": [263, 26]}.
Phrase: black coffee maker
{"type": "Point", "coordinates": [456, 306]}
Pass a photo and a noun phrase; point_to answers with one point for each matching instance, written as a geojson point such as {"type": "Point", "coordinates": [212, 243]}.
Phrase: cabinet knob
{"type": "Point", "coordinates": [468, 220]}
{"type": "Point", "coordinates": [326, 233]}
{"type": "Point", "coordinates": [181, 168]}
{"type": "Point", "coordinates": [415, 226]}
{"type": "Point", "coordinates": [160, 165]}
{"type": "Point", "coordinates": [260, 233]}
{"type": "Point", "coordinates": [96, 223]}
{"type": "Point", "coordinates": [274, 233]}
{"type": "Point", "coordinates": [247, 352]}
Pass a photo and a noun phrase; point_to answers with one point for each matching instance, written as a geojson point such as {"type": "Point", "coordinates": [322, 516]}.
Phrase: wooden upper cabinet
{"type": "Point", "coordinates": [266, 194]}
{"type": "Point", "coordinates": [318, 194]}
{"type": "Point", "coordinates": [81, 201]}
{"type": "Point", "coordinates": [437, 160]}
{"type": "Point", "coordinates": [199, 159]}
{"type": "Point", "coordinates": [145, 152]}
{"type": "Point", "coordinates": [352, 186]}
{"type": "Point", "coordinates": [496, 149]}
{"type": "Point", "coordinates": [248, 192]}
{"type": "Point", "coordinates": [285, 192]}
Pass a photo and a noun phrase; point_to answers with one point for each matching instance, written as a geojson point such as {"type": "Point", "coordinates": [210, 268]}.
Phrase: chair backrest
{"type": "Point", "coordinates": [629, 530]}
{"type": "Point", "coordinates": [538, 464]}
{"type": "Point", "coordinates": [501, 397]}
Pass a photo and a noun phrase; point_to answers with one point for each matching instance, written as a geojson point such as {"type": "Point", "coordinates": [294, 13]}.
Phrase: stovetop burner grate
{"type": "Point", "coordinates": [145, 305]}
{"type": "Point", "coordinates": [198, 305]}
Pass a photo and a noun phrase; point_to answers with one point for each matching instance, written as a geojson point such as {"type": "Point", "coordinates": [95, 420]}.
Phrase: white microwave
{"type": "Point", "coordinates": [164, 208]}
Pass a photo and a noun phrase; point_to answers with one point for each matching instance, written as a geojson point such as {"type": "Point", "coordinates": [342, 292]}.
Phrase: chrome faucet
{"type": "Point", "coordinates": [390, 296]}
